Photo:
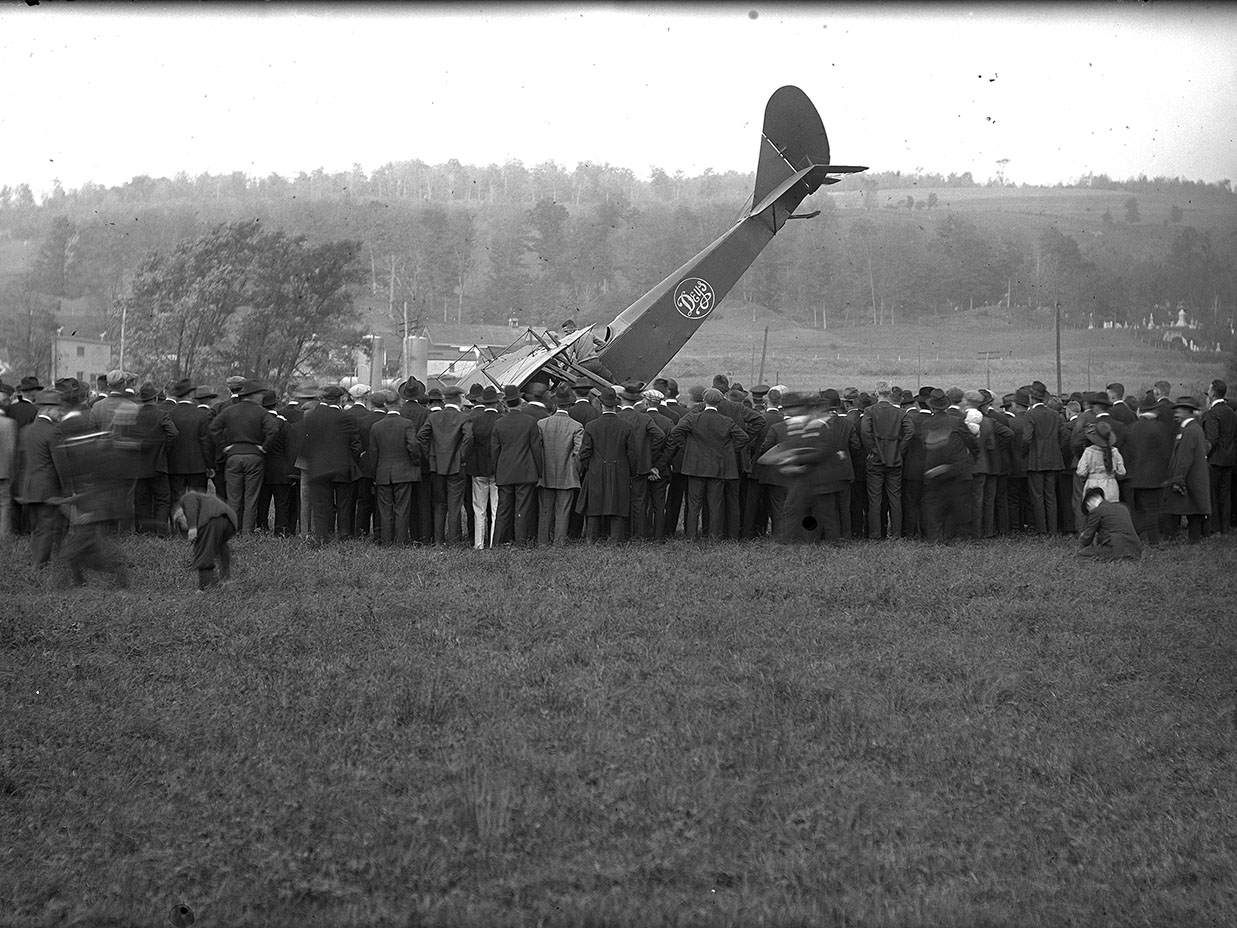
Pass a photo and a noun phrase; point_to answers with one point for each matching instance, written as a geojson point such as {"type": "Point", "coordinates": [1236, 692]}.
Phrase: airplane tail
{"type": "Point", "coordinates": [793, 138]}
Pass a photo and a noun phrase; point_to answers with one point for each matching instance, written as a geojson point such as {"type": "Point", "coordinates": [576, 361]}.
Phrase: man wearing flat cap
{"type": "Point", "coordinates": [709, 441]}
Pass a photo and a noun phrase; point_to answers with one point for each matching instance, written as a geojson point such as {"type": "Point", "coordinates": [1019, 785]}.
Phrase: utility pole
{"type": "Point", "coordinates": [1058, 327]}
{"type": "Point", "coordinates": [763, 351]}
{"type": "Point", "coordinates": [988, 356]}
{"type": "Point", "coordinates": [918, 366]}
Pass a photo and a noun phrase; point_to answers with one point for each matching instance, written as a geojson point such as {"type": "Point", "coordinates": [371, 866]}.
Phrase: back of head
{"type": "Point", "coordinates": [712, 396]}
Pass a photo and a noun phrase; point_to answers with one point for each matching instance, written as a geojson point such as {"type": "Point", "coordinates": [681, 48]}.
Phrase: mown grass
{"type": "Point", "coordinates": [888, 734]}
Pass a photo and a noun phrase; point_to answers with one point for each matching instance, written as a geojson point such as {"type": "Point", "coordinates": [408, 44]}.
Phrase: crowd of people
{"type": "Point", "coordinates": [546, 465]}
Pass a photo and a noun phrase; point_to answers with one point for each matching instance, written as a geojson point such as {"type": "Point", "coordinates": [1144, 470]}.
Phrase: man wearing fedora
{"type": "Point", "coordinates": [1189, 482]}
{"type": "Point", "coordinates": [561, 436]}
{"type": "Point", "coordinates": [152, 434]}
{"type": "Point", "coordinates": [709, 442]}
{"type": "Point", "coordinates": [607, 461]}
{"type": "Point", "coordinates": [413, 408]}
{"type": "Point", "coordinates": [1220, 430]}
{"type": "Point", "coordinates": [536, 399]}
{"type": "Point", "coordinates": [1148, 450]}
{"type": "Point", "coordinates": [331, 453]}
{"type": "Point", "coordinates": [441, 439]}
{"type": "Point", "coordinates": [39, 478]}
{"type": "Point", "coordinates": [244, 433]}
{"type": "Point", "coordinates": [477, 452]}
{"type": "Point", "coordinates": [519, 463]}
{"type": "Point", "coordinates": [22, 408]}
{"type": "Point", "coordinates": [191, 452]}
{"type": "Point", "coordinates": [1042, 434]}
{"type": "Point", "coordinates": [649, 441]}
{"type": "Point", "coordinates": [395, 454]}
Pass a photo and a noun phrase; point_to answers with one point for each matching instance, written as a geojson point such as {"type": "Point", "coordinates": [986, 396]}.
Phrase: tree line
{"type": "Point", "coordinates": [279, 289]}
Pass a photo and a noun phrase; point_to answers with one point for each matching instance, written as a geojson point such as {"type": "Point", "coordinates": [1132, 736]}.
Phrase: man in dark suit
{"type": "Point", "coordinates": [39, 480]}
{"type": "Point", "coordinates": [395, 454]}
{"type": "Point", "coordinates": [536, 400]}
{"type": "Point", "coordinates": [1189, 481]}
{"type": "Point", "coordinates": [153, 433]}
{"type": "Point", "coordinates": [1119, 410]}
{"type": "Point", "coordinates": [1220, 431]}
{"type": "Point", "coordinates": [279, 471]}
{"type": "Point", "coordinates": [949, 449]}
{"type": "Point", "coordinates": [1148, 449]}
{"type": "Point", "coordinates": [759, 506]}
{"type": "Point", "coordinates": [1042, 438]}
{"type": "Point", "coordinates": [244, 433]}
{"type": "Point", "coordinates": [191, 451]}
{"type": "Point", "coordinates": [607, 461]}
{"type": "Point", "coordinates": [753, 425]}
{"type": "Point", "coordinates": [885, 432]}
{"type": "Point", "coordinates": [413, 408]}
{"type": "Point", "coordinates": [441, 437]}
{"type": "Point", "coordinates": [477, 452]}
{"type": "Point", "coordinates": [581, 408]}
{"type": "Point", "coordinates": [519, 462]}
{"type": "Point", "coordinates": [332, 454]}
{"type": "Point", "coordinates": [649, 441]}
{"type": "Point", "coordinates": [655, 514]}
{"type": "Point", "coordinates": [22, 408]}
{"type": "Point", "coordinates": [710, 442]}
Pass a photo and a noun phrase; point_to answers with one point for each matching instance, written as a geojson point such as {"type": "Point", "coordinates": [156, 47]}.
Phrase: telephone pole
{"type": "Point", "coordinates": [987, 358]}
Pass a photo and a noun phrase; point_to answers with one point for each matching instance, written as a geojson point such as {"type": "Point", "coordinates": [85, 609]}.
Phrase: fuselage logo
{"type": "Point", "coordinates": [694, 298]}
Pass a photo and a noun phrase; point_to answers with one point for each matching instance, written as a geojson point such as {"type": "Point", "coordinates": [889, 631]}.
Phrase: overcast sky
{"type": "Point", "coordinates": [103, 95]}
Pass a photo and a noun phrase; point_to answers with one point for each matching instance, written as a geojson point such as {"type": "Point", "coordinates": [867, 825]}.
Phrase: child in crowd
{"type": "Point", "coordinates": [1109, 530]}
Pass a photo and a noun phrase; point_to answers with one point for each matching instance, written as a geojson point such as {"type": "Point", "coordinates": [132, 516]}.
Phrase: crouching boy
{"type": "Point", "coordinates": [209, 522]}
{"type": "Point", "coordinates": [1109, 530]}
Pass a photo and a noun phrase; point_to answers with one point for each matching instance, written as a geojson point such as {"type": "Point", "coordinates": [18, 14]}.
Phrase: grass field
{"type": "Point", "coordinates": [943, 355]}
{"type": "Point", "coordinates": [872, 734]}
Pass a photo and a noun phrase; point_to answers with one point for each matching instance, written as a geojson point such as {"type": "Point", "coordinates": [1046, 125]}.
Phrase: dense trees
{"type": "Point", "coordinates": [240, 298]}
{"type": "Point", "coordinates": [456, 242]}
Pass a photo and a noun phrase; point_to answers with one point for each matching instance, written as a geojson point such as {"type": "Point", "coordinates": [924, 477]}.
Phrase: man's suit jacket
{"type": "Point", "coordinates": [394, 450]}
{"type": "Point", "coordinates": [536, 411]}
{"type": "Point", "coordinates": [993, 436]}
{"type": "Point", "coordinates": [477, 449]}
{"type": "Point", "coordinates": [1148, 449]}
{"type": "Point", "coordinates": [36, 465]}
{"type": "Point", "coordinates": [279, 464]}
{"type": "Point", "coordinates": [441, 437]}
{"type": "Point", "coordinates": [1220, 430]}
{"type": "Point", "coordinates": [519, 456]}
{"type": "Point", "coordinates": [192, 452]}
{"type": "Point", "coordinates": [154, 433]}
{"type": "Point", "coordinates": [608, 459]}
{"type": "Point", "coordinates": [583, 411]}
{"type": "Point", "coordinates": [884, 431]}
{"type": "Point", "coordinates": [709, 441]}
{"type": "Point", "coordinates": [332, 446]}
{"type": "Point", "coordinates": [1109, 524]}
{"type": "Point", "coordinates": [1123, 414]}
{"type": "Point", "coordinates": [1188, 468]}
{"type": "Point", "coordinates": [752, 423]}
{"type": "Point", "coordinates": [1042, 439]}
{"type": "Point", "coordinates": [561, 436]}
{"type": "Point", "coordinates": [648, 437]}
